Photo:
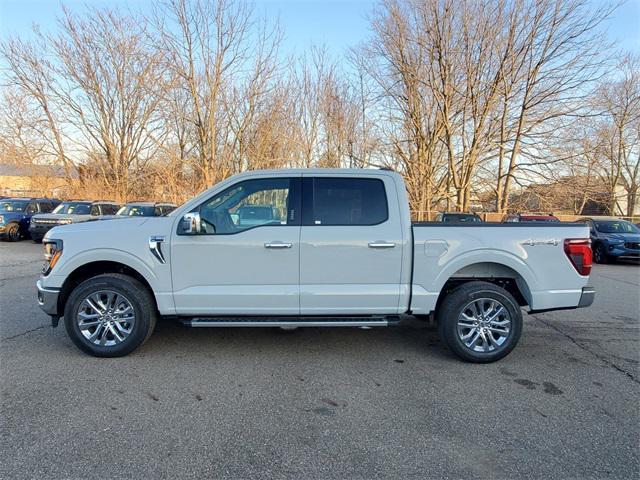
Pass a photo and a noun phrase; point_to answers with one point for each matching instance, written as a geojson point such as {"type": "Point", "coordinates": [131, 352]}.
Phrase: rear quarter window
{"type": "Point", "coordinates": [345, 201]}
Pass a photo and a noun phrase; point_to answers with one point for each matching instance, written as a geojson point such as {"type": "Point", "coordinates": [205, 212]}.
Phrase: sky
{"type": "Point", "coordinates": [337, 25]}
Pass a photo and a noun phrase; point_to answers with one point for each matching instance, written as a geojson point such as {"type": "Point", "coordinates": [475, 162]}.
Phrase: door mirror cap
{"type": "Point", "coordinates": [191, 223]}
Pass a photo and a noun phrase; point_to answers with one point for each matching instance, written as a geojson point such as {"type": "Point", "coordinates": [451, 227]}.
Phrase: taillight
{"type": "Point", "coordinates": [578, 251]}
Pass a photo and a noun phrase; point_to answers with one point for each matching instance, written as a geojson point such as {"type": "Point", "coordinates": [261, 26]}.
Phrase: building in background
{"type": "Point", "coordinates": [20, 180]}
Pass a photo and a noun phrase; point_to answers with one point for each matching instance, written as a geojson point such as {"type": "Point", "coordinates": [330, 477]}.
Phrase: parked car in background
{"type": "Point", "coordinates": [612, 238]}
{"type": "Point", "coordinates": [457, 217]}
{"type": "Point", "coordinates": [74, 211]}
{"type": "Point", "coordinates": [252, 215]}
{"type": "Point", "coordinates": [145, 209]}
{"type": "Point", "coordinates": [16, 213]}
{"type": "Point", "coordinates": [341, 251]}
{"type": "Point", "coordinates": [530, 217]}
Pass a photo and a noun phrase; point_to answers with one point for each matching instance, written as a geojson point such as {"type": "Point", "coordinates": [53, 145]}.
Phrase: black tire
{"type": "Point", "coordinates": [141, 299]}
{"type": "Point", "coordinates": [600, 254]}
{"type": "Point", "coordinates": [13, 232]}
{"type": "Point", "coordinates": [452, 307]}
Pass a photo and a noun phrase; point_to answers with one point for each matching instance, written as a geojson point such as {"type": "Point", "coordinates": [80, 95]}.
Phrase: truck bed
{"type": "Point", "coordinates": [529, 254]}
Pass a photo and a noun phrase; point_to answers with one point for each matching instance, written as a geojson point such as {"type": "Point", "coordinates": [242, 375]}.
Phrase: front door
{"type": "Point", "coordinates": [245, 260]}
{"type": "Point", "coordinates": [350, 246]}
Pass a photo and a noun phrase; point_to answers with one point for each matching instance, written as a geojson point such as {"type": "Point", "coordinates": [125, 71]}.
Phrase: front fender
{"type": "Point", "coordinates": [106, 255]}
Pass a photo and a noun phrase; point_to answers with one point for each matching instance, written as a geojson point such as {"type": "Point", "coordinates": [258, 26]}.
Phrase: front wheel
{"type": "Point", "coordinates": [480, 322]}
{"type": "Point", "coordinates": [110, 315]}
{"type": "Point", "coordinates": [600, 254]}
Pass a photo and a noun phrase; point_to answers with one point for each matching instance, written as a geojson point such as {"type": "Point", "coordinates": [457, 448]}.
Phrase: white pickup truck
{"type": "Point", "coordinates": [337, 249]}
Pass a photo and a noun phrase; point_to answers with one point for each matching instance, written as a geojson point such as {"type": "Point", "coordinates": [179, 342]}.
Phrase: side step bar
{"type": "Point", "coordinates": [291, 321]}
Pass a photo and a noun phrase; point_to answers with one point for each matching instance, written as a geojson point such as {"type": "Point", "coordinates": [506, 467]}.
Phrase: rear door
{"type": "Point", "coordinates": [350, 246]}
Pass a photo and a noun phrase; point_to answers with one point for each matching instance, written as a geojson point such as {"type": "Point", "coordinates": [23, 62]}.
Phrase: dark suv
{"type": "Point", "coordinates": [457, 217]}
{"type": "Point", "coordinates": [530, 217]}
{"type": "Point", "coordinates": [612, 238]}
{"type": "Point", "coordinates": [74, 211]}
{"type": "Point", "coordinates": [16, 213]}
{"type": "Point", "coordinates": [146, 209]}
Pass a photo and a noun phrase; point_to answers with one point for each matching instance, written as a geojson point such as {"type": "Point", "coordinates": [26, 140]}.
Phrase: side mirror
{"type": "Point", "coordinates": [191, 223]}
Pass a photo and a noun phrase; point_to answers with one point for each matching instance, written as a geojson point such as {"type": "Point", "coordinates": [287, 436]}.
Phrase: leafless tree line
{"type": "Point", "coordinates": [467, 99]}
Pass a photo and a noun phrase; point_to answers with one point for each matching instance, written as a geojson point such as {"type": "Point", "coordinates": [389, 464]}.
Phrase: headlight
{"type": "Point", "coordinates": [52, 253]}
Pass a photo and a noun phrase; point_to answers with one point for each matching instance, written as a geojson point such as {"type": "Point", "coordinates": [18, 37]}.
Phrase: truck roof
{"type": "Point", "coordinates": [320, 171]}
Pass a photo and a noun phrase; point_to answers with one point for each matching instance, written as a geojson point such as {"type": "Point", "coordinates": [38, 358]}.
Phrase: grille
{"type": "Point", "coordinates": [45, 222]}
{"type": "Point", "coordinates": [632, 245]}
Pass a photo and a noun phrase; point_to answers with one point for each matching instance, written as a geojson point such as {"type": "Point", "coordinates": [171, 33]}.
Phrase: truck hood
{"type": "Point", "coordinates": [627, 237]}
{"type": "Point", "coordinates": [120, 228]}
{"type": "Point", "coordinates": [58, 217]}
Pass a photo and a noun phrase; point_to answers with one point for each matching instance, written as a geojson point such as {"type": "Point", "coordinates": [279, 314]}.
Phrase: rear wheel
{"type": "Point", "coordinates": [13, 232]}
{"type": "Point", "coordinates": [480, 322]}
{"type": "Point", "coordinates": [110, 315]}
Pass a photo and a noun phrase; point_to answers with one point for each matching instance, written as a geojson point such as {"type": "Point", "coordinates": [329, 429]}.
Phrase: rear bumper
{"type": "Point", "coordinates": [587, 297]}
{"type": "Point", "coordinates": [48, 299]}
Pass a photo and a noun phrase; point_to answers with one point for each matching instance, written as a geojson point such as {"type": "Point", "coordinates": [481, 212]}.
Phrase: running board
{"type": "Point", "coordinates": [291, 322]}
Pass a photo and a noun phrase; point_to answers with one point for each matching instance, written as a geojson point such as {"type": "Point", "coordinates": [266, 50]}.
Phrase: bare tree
{"type": "Point", "coordinates": [206, 46]}
{"type": "Point", "coordinates": [32, 75]}
{"type": "Point", "coordinates": [620, 132]}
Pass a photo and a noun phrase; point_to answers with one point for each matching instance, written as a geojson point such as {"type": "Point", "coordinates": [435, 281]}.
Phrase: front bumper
{"type": "Point", "coordinates": [587, 297]}
{"type": "Point", "coordinates": [623, 250]}
{"type": "Point", "coordinates": [39, 231]}
{"type": "Point", "coordinates": [3, 231]}
{"type": "Point", "coordinates": [48, 299]}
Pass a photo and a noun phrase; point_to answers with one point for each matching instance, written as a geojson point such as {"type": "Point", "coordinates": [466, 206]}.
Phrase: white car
{"type": "Point", "coordinates": [343, 253]}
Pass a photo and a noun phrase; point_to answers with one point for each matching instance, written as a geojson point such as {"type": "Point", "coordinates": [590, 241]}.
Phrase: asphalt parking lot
{"type": "Point", "coordinates": [333, 403]}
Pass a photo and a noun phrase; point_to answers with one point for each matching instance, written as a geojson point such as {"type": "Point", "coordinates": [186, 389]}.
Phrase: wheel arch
{"type": "Point", "coordinates": [496, 273]}
{"type": "Point", "coordinates": [92, 269]}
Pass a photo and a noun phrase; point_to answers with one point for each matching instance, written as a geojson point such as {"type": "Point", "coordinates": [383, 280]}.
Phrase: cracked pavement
{"type": "Point", "coordinates": [333, 403]}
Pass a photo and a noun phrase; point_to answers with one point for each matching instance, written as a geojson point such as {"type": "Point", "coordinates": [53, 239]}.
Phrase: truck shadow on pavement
{"type": "Point", "coordinates": [171, 337]}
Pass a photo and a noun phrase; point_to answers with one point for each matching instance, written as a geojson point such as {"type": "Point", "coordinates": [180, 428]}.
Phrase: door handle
{"type": "Point", "coordinates": [381, 245]}
{"type": "Point", "coordinates": [277, 245]}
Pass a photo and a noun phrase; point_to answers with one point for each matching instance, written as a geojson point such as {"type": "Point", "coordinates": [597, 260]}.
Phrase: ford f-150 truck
{"type": "Point", "coordinates": [340, 250]}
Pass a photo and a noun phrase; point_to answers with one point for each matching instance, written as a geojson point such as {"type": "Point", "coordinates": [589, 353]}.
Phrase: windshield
{"type": "Point", "coordinates": [136, 211]}
{"type": "Point", "coordinates": [73, 208]}
{"type": "Point", "coordinates": [616, 226]}
{"type": "Point", "coordinates": [13, 206]}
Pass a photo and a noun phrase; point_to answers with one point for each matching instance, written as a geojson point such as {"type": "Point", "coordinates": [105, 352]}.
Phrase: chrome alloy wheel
{"type": "Point", "coordinates": [484, 325]}
{"type": "Point", "coordinates": [105, 318]}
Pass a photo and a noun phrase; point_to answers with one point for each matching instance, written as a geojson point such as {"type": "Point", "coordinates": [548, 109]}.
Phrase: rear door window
{"type": "Point", "coordinates": [344, 201]}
